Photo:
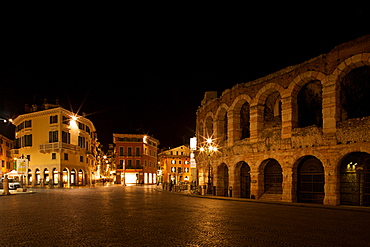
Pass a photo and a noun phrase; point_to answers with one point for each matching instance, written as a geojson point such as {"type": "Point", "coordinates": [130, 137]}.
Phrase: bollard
{"type": "Point", "coordinates": [51, 184]}
{"type": "Point", "coordinates": [6, 186]}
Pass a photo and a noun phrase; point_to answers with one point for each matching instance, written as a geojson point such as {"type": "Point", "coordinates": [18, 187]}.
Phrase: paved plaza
{"type": "Point", "coordinates": [143, 216]}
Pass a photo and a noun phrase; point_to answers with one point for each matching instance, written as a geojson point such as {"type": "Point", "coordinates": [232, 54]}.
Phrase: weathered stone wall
{"type": "Point", "coordinates": [273, 119]}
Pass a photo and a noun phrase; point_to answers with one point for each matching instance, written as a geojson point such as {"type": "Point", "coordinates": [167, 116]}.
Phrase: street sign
{"type": "Point", "coordinates": [22, 166]}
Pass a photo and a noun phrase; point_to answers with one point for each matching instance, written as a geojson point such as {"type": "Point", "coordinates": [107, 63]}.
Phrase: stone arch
{"type": "Point", "coordinates": [221, 124]}
{"type": "Point", "coordinates": [265, 91]}
{"type": "Point", "coordinates": [356, 61]}
{"type": "Point", "coordinates": [291, 94]}
{"type": "Point", "coordinates": [242, 185]}
{"type": "Point", "coordinates": [298, 82]}
{"type": "Point", "coordinates": [208, 125]}
{"type": "Point", "coordinates": [266, 109]}
{"type": "Point", "coordinates": [355, 94]}
{"type": "Point", "coordinates": [310, 180]}
{"type": "Point", "coordinates": [240, 117]}
{"type": "Point", "coordinates": [200, 131]}
{"type": "Point", "coordinates": [355, 179]}
{"type": "Point", "coordinates": [332, 89]}
{"type": "Point", "coordinates": [272, 177]}
{"type": "Point", "coordinates": [222, 186]}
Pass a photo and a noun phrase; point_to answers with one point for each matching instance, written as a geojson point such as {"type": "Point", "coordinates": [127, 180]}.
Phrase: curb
{"type": "Point", "coordinates": [291, 204]}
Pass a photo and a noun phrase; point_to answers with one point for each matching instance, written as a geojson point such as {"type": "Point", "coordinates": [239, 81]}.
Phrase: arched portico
{"type": "Point", "coordinates": [311, 180]}
{"type": "Point", "coordinates": [242, 187]}
{"type": "Point", "coordinates": [222, 188]}
{"type": "Point", "coordinates": [355, 179]}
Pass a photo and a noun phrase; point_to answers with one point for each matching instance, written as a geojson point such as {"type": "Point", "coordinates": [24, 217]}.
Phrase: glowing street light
{"type": "Point", "coordinates": [209, 148]}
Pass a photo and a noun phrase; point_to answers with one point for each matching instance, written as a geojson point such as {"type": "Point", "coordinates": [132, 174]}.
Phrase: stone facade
{"type": "Point", "coordinates": [300, 134]}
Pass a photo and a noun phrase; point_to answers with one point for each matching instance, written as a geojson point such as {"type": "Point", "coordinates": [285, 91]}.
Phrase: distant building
{"type": "Point", "coordinates": [175, 165]}
{"type": "Point", "coordinates": [6, 160]}
{"type": "Point", "coordinates": [136, 158]}
{"type": "Point", "coordinates": [60, 146]}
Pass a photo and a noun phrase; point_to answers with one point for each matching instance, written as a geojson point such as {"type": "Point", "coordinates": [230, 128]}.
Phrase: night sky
{"type": "Point", "coordinates": [150, 72]}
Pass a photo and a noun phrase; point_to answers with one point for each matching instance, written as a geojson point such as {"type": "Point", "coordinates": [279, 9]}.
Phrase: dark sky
{"type": "Point", "coordinates": [150, 70]}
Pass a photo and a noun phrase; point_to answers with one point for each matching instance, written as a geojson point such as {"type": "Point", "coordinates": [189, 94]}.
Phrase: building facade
{"type": "Point", "coordinates": [298, 135]}
{"type": "Point", "coordinates": [59, 145]}
{"type": "Point", "coordinates": [6, 160]}
{"type": "Point", "coordinates": [175, 165]}
{"type": "Point", "coordinates": [136, 158]}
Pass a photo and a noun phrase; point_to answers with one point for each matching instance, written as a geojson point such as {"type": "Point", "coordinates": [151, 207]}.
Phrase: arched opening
{"type": "Point", "coordinates": [222, 180]}
{"type": "Point", "coordinates": [73, 177]}
{"type": "Point", "coordinates": [272, 110]}
{"type": "Point", "coordinates": [311, 181]}
{"type": "Point", "coordinates": [209, 127]}
{"type": "Point", "coordinates": [245, 121]}
{"type": "Point", "coordinates": [80, 177]}
{"type": "Point", "coordinates": [37, 176]}
{"type": "Point", "coordinates": [29, 177]}
{"type": "Point", "coordinates": [273, 178]}
{"type": "Point", "coordinates": [355, 179]}
{"type": "Point", "coordinates": [46, 176]}
{"type": "Point", "coordinates": [200, 137]}
{"type": "Point", "coordinates": [55, 176]}
{"type": "Point", "coordinates": [65, 177]}
{"type": "Point", "coordinates": [245, 180]}
{"type": "Point", "coordinates": [309, 101]}
{"type": "Point", "coordinates": [222, 127]}
{"type": "Point", "coordinates": [355, 94]}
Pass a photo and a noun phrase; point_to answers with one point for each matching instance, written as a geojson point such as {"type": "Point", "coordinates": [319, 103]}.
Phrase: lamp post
{"type": "Point", "coordinates": [209, 148]}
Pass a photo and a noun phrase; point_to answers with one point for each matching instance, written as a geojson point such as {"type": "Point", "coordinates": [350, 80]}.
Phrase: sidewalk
{"type": "Point", "coordinates": [15, 192]}
{"type": "Point", "coordinates": [306, 205]}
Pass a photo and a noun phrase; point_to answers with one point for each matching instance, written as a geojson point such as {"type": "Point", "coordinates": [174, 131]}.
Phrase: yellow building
{"type": "Point", "coordinates": [175, 165]}
{"type": "Point", "coordinates": [60, 146]}
{"type": "Point", "coordinates": [6, 160]}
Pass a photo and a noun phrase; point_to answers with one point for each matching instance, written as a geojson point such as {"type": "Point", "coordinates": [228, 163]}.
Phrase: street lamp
{"type": "Point", "coordinates": [209, 148]}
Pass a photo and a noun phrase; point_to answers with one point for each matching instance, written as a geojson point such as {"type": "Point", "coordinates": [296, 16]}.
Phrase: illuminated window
{"type": "Point", "coordinates": [173, 161]}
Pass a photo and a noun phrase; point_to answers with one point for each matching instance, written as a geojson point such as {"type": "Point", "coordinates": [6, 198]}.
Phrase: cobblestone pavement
{"type": "Point", "coordinates": [142, 216]}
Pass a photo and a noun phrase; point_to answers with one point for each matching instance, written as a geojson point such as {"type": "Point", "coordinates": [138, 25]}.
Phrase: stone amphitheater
{"type": "Point", "coordinates": [301, 134]}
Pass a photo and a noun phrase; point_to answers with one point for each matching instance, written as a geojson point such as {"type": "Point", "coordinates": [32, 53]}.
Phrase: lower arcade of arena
{"type": "Point", "coordinates": [309, 180]}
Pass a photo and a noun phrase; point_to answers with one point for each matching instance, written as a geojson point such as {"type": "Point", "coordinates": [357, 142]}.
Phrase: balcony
{"type": "Point", "coordinates": [57, 146]}
{"type": "Point", "coordinates": [14, 152]}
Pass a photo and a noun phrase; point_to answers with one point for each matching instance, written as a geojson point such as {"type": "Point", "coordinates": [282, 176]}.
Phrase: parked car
{"type": "Point", "coordinates": [13, 184]}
